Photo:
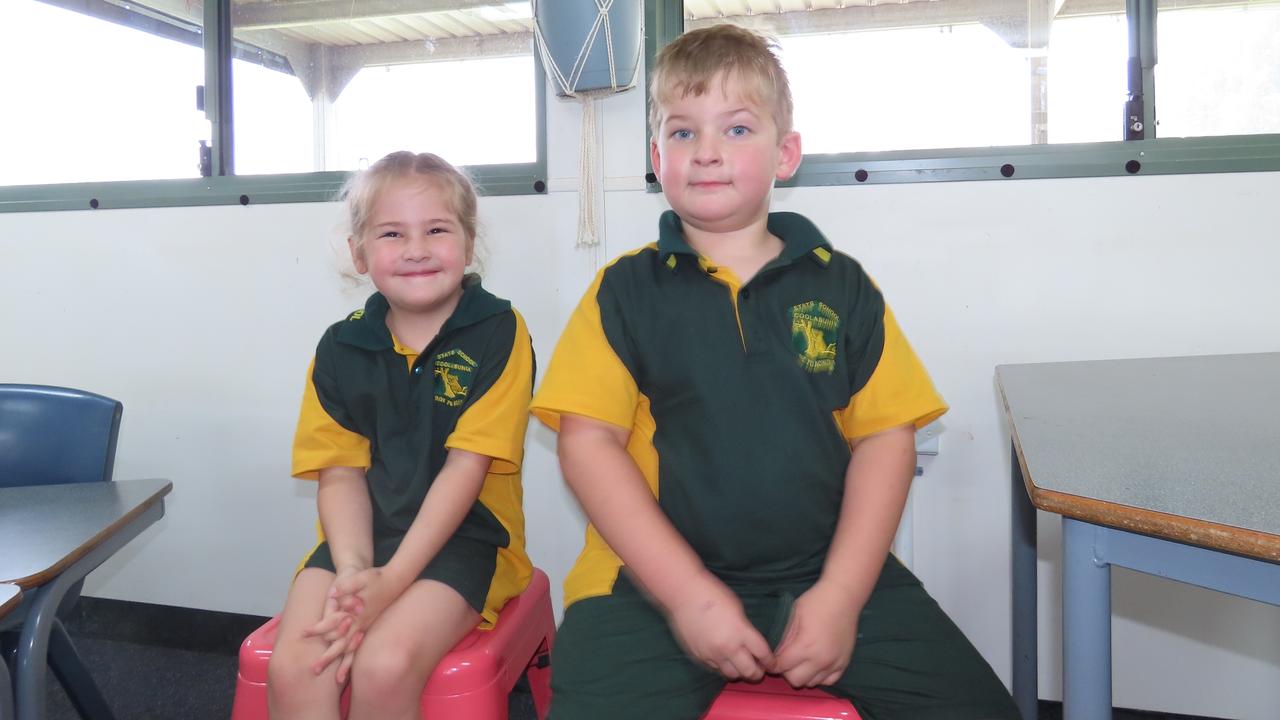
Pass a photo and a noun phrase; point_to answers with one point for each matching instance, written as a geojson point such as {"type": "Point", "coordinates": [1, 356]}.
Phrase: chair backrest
{"type": "Point", "coordinates": [53, 435]}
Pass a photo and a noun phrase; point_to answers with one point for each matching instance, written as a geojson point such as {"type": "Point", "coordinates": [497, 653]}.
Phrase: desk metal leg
{"type": "Point", "coordinates": [1023, 520]}
{"type": "Point", "coordinates": [31, 666]}
{"type": "Point", "coordinates": [6, 692]}
{"type": "Point", "coordinates": [1086, 622]}
{"type": "Point", "coordinates": [33, 644]}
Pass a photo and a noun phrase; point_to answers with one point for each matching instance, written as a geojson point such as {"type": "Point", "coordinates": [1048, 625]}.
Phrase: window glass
{"type": "Point", "coordinates": [1087, 83]}
{"type": "Point", "coordinates": [1218, 70]}
{"type": "Point", "coordinates": [272, 119]}
{"type": "Point", "coordinates": [473, 112]}
{"type": "Point", "coordinates": [327, 88]}
{"type": "Point", "coordinates": [943, 73]}
{"type": "Point", "coordinates": [98, 97]}
{"type": "Point", "coordinates": [909, 88]}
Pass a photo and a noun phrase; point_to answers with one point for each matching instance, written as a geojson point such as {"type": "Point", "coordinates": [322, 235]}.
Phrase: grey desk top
{"type": "Point", "coordinates": [1193, 437]}
{"type": "Point", "coordinates": [45, 528]}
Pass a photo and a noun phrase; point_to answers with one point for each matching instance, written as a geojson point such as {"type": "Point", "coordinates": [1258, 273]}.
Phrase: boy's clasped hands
{"type": "Point", "coordinates": [356, 599]}
{"type": "Point", "coordinates": [712, 627]}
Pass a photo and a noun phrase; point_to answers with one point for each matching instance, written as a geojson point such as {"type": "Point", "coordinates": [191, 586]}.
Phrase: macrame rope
{"type": "Point", "coordinates": [590, 197]}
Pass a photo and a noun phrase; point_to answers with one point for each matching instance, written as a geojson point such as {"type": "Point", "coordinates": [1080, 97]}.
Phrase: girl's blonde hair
{"type": "Point", "coordinates": [689, 64]}
{"type": "Point", "coordinates": [432, 171]}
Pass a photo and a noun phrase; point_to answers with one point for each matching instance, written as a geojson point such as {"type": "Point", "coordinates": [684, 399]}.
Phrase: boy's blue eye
{"type": "Point", "coordinates": [682, 134]}
{"type": "Point", "coordinates": [739, 130]}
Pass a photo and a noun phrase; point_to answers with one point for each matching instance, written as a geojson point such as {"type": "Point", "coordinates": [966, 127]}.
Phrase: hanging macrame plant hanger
{"type": "Point", "coordinates": [590, 49]}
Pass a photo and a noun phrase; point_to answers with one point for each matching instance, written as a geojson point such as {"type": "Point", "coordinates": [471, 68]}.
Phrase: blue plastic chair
{"type": "Point", "coordinates": [49, 436]}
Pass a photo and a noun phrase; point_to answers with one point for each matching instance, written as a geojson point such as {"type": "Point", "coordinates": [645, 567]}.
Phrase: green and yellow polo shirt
{"type": "Point", "coordinates": [372, 403]}
{"type": "Point", "coordinates": [741, 399]}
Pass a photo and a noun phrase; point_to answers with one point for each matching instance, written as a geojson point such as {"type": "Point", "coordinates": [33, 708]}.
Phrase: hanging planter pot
{"type": "Point", "coordinates": [590, 45]}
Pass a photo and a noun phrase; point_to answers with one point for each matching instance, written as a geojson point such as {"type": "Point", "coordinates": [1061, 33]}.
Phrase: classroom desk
{"type": "Point", "coordinates": [1168, 466]}
{"type": "Point", "coordinates": [53, 536]}
{"type": "Point", "coordinates": [10, 596]}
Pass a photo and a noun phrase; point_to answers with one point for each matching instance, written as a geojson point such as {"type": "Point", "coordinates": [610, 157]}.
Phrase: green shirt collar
{"type": "Point", "coordinates": [799, 237]}
{"type": "Point", "coordinates": [367, 328]}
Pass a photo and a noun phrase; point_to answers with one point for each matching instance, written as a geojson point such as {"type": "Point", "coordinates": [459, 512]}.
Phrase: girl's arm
{"type": "Point", "coordinates": [346, 517]}
{"type": "Point", "coordinates": [452, 495]}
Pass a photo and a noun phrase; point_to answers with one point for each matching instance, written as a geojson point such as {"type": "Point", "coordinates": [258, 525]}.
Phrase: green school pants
{"type": "Point", "coordinates": [615, 658]}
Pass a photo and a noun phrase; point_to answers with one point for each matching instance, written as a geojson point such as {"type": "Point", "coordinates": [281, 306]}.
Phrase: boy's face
{"type": "Point", "coordinates": [414, 250]}
{"type": "Point", "coordinates": [717, 156]}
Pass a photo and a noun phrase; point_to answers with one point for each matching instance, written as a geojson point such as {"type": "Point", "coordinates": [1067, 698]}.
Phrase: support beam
{"type": "Point", "coordinates": [1039, 19]}
{"type": "Point", "coordinates": [323, 130]}
{"type": "Point", "coordinates": [288, 48]}
{"type": "Point", "coordinates": [183, 28]}
{"type": "Point", "coordinates": [871, 17]}
{"type": "Point", "coordinates": [423, 51]}
{"type": "Point", "coordinates": [180, 9]}
{"type": "Point", "coordinates": [297, 13]}
{"type": "Point", "coordinates": [1077, 8]}
{"type": "Point", "coordinates": [933, 13]}
{"type": "Point", "coordinates": [327, 72]}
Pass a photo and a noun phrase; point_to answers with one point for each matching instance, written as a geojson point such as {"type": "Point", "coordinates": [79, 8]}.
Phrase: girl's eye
{"type": "Point", "coordinates": [739, 130]}
{"type": "Point", "coordinates": [390, 233]}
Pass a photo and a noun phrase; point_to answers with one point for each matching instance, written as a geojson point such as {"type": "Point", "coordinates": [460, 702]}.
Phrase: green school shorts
{"type": "Point", "coordinates": [464, 564]}
{"type": "Point", "coordinates": [615, 657]}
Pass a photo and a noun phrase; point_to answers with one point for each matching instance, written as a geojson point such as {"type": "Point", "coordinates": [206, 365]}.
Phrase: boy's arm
{"type": "Point", "coordinates": [706, 617]}
{"type": "Point", "coordinates": [452, 495]}
{"type": "Point", "coordinates": [820, 639]}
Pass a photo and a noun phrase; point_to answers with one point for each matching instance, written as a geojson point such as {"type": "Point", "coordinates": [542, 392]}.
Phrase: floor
{"type": "Point", "coordinates": [145, 682]}
{"type": "Point", "coordinates": [150, 682]}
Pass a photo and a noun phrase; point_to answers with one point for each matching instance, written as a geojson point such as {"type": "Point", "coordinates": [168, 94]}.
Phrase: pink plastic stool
{"type": "Point", "coordinates": [774, 699]}
{"type": "Point", "coordinates": [472, 681]}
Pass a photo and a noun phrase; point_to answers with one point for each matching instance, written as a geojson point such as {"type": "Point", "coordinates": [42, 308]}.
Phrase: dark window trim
{"type": "Point", "coordinates": [1141, 154]}
{"type": "Point", "coordinates": [226, 189]}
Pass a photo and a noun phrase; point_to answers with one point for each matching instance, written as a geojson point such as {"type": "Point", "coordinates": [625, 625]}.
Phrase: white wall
{"type": "Point", "coordinates": [202, 320]}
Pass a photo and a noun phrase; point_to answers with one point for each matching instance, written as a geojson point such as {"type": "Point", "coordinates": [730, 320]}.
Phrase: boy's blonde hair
{"type": "Point", "coordinates": [430, 171]}
{"type": "Point", "coordinates": [692, 61]}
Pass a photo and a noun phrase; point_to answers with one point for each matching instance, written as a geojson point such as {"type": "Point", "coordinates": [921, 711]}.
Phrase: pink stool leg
{"type": "Point", "coordinates": [539, 676]}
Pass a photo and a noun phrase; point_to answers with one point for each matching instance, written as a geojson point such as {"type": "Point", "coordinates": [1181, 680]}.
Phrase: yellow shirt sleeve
{"type": "Point", "coordinates": [494, 424]}
{"type": "Point", "coordinates": [320, 442]}
{"type": "Point", "coordinates": [898, 392]}
{"type": "Point", "coordinates": [586, 377]}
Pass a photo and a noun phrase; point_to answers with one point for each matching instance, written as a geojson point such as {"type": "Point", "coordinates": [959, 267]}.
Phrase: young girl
{"type": "Point", "coordinates": [413, 420]}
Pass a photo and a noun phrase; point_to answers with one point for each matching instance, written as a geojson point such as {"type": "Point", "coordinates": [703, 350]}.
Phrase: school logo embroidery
{"type": "Point", "coordinates": [815, 329]}
{"type": "Point", "coordinates": [453, 371]}
{"type": "Point", "coordinates": [356, 315]}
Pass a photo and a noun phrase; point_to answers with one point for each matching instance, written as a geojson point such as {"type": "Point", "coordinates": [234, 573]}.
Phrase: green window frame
{"type": "Point", "coordinates": [223, 186]}
{"type": "Point", "coordinates": [1138, 154]}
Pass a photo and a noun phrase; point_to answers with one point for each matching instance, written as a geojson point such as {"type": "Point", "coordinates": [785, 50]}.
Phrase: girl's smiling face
{"type": "Point", "coordinates": [414, 249]}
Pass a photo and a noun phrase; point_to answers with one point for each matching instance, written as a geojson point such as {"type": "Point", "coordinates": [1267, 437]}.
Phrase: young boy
{"type": "Point", "coordinates": [736, 408]}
